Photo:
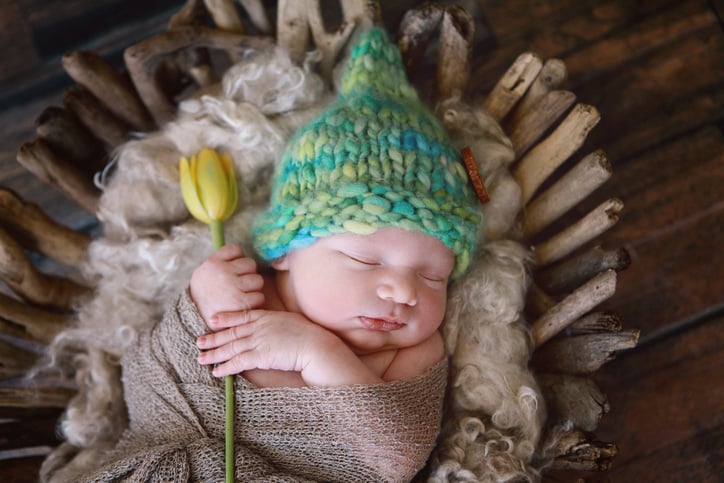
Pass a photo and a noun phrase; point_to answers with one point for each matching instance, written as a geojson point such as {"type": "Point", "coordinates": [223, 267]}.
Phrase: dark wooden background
{"type": "Point", "coordinates": [655, 71]}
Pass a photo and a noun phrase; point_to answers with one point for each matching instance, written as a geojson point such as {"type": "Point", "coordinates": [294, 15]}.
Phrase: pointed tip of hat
{"type": "Point", "coordinates": [375, 67]}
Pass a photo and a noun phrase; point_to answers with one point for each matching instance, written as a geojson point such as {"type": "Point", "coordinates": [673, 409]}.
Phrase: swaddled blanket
{"type": "Point", "coordinates": [380, 432]}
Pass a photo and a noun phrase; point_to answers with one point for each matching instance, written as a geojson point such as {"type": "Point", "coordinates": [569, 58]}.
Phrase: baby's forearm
{"type": "Point", "coordinates": [334, 364]}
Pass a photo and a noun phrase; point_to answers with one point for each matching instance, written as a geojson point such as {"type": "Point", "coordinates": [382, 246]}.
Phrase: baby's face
{"type": "Point", "coordinates": [381, 291]}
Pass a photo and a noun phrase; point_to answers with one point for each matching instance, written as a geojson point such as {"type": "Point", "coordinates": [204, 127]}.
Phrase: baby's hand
{"type": "Point", "coordinates": [285, 341]}
{"type": "Point", "coordinates": [227, 281]}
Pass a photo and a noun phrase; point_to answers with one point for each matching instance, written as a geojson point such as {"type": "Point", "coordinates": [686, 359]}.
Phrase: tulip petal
{"type": "Point", "coordinates": [188, 191]}
{"type": "Point", "coordinates": [212, 183]}
{"type": "Point", "coordinates": [232, 188]}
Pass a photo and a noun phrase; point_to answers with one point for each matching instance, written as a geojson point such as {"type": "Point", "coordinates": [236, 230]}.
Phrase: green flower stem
{"type": "Point", "coordinates": [229, 385]}
{"type": "Point", "coordinates": [217, 236]}
{"type": "Point", "coordinates": [217, 233]}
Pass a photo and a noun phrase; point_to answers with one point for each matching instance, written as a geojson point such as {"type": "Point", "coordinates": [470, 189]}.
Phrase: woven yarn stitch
{"type": "Point", "coordinates": [376, 157]}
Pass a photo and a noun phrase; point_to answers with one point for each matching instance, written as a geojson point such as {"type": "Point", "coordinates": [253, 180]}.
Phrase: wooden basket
{"type": "Point", "coordinates": [545, 124]}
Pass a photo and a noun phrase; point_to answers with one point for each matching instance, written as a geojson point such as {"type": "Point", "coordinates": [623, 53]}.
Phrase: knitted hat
{"type": "Point", "coordinates": [374, 158]}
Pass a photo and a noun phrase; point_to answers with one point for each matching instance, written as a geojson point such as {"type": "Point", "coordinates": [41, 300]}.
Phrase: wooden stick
{"type": "Point", "coordinates": [525, 131]}
{"type": "Point", "coordinates": [95, 117]}
{"type": "Point", "coordinates": [416, 29]}
{"type": "Point", "coordinates": [50, 397]}
{"type": "Point", "coordinates": [67, 136]}
{"type": "Point", "coordinates": [38, 158]}
{"type": "Point", "coordinates": [596, 322]}
{"type": "Point", "coordinates": [574, 398]}
{"type": "Point", "coordinates": [293, 28]}
{"type": "Point", "coordinates": [552, 76]}
{"type": "Point", "coordinates": [37, 324]}
{"type": "Point", "coordinates": [538, 302]}
{"type": "Point", "coordinates": [583, 179]}
{"type": "Point", "coordinates": [583, 354]}
{"type": "Point", "coordinates": [354, 10]}
{"type": "Point", "coordinates": [457, 30]}
{"type": "Point", "coordinates": [600, 219]}
{"type": "Point", "coordinates": [542, 160]}
{"type": "Point", "coordinates": [511, 87]}
{"type": "Point", "coordinates": [14, 360]}
{"type": "Point", "coordinates": [192, 13]}
{"type": "Point", "coordinates": [104, 82]}
{"type": "Point", "coordinates": [565, 276]}
{"type": "Point", "coordinates": [576, 452]}
{"type": "Point", "coordinates": [38, 232]}
{"type": "Point", "coordinates": [142, 59]}
{"type": "Point", "coordinates": [328, 43]}
{"type": "Point", "coordinates": [258, 15]}
{"type": "Point", "coordinates": [26, 281]}
{"type": "Point", "coordinates": [590, 294]}
{"type": "Point", "coordinates": [225, 16]}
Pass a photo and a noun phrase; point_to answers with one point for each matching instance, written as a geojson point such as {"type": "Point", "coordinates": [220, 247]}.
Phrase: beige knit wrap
{"type": "Point", "coordinates": [380, 432]}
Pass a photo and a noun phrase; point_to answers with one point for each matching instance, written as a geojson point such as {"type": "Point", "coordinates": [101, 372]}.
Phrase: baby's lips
{"type": "Point", "coordinates": [382, 325]}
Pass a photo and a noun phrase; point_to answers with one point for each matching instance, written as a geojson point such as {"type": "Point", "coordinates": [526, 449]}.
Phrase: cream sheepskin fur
{"type": "Point", "coordinates": [150, 246]}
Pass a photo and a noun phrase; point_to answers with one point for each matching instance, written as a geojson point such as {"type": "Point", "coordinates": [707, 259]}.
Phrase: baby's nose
{"type": "Point", "coordinates": [399, 288]}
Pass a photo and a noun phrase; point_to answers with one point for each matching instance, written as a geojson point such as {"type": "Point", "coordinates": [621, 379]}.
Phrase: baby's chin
{"type": "Point", "coordinates": [363, 341]}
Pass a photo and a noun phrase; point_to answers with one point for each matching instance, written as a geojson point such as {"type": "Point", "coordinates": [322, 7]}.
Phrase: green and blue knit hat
{"type": "Point", "coordinates": [375, 158]}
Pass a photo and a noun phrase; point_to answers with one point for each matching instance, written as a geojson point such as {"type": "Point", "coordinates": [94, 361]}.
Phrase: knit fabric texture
{"type": "Point", "coordinates": [377, 432]}
{"type": "Point", "coordinates": [377, 157]}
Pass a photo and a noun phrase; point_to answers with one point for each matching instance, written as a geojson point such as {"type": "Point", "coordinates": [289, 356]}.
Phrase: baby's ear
{"type": "Point", "coordinates": [281, 264]}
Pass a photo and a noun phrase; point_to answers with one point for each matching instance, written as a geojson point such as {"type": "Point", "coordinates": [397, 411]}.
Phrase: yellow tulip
{"type": "Point", "coordinates": [208, 187]}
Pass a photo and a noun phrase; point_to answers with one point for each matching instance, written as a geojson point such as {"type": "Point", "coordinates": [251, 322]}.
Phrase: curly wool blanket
{"type": "Point", "coordinates": [380, 432]}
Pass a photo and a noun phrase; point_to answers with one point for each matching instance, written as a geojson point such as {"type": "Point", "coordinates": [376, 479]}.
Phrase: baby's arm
{"type": "Point", "coordinates": [285, 341]}
{"type": "Point", "coordinates": [227, 281]}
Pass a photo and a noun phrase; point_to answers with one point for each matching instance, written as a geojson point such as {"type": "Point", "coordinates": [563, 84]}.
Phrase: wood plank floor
{"type": "Point", "coordinates": [655, 71]}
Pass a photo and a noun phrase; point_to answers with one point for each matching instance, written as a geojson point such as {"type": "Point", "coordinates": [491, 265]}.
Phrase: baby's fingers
{"type": "Point", "coordinates": [224, 320]}
{"type": "Point", "coordinates": [222, 346]}
{"type": "Point", "coordinates": [227, 253]}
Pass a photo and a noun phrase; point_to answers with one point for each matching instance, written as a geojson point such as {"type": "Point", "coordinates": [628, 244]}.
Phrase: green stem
{"type": "Point", "coordinates": [217, 236]}
{"type": "Point", "coordinates": [217, 233]}
{"type": "Point", "coordinates": [229, 385]}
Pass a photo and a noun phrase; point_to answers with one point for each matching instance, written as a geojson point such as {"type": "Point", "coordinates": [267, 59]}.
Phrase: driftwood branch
{"type": "Point", "coordinates": [141, 60]}
{"type": "Point", "coordinates": [582, 300]}
{"type": "Point", "coordinates": [292, 28]}
{"type": "Point", "coordinates": [95, 117]}
{"type": "Point", "coordinates": [258, 15]}
{"type": "Point", "coordinates": [565, 276]}
{"type": "Point", "coordinates": [574, 398]}
{"type": "Point", "coordinates": [38, 158]}
{"type": "Point", "coordinates": [511, 87]}
{"type": "Point", "coordinates": [52, 397]}
{"type": "Point", "coordinates": [225, 16]}
{"type": "Point", "coordinates": [329, 43]}
{"type": "Point", "coordinates": [192, 13]}
{"type": "Point", "coordinates": [526, 130]}
{"type": "Point", "coordinates": [67, 136]}
{"type": "Point", "coordinates": [583, 179]}
{"type": "Point", "coordinates": [596, 322]}
{"type": "Point", "coordinates": [15, 361]}
{"type": "Point", "coordinates": [552, 76]}
{"type": "Point", "coordinates": [95, 74]}
{"type": "Point", "coordinates": [30, 322]}
{"type": "Point", "coordinates": [416, 29]}
{"type": "Point", "coordinates": [600, 219]}
{"type": "Point", "coordinates": [38, 232]}
{"type": "Point", "coordinates": [544, 158]}
{"type": "Point", "coordinates": [583, 354]}
{"type": "Point", "coordinates": [538, 302]}
{"type": "Point", "coordinates": [453, 65]}
{"type": "Point", "coordinates": [577, 452]}
{"type": "Point", "coordinates": [24, 279]}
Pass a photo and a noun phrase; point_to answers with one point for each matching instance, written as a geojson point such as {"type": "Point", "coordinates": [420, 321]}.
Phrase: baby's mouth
{"type": "Point", "coordinates": [382, 325]}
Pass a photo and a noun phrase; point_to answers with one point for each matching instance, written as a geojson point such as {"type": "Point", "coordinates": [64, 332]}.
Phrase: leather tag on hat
{"type": "Point", "coordinates": [471, 166]}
